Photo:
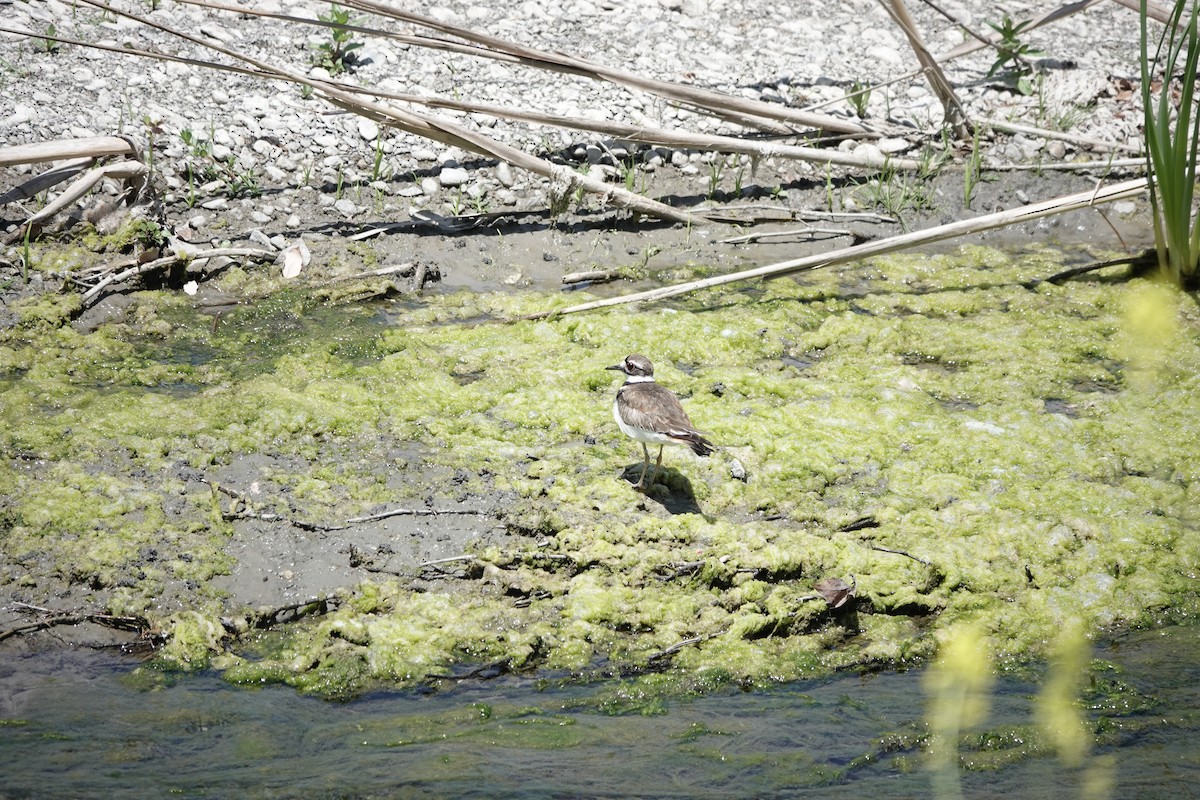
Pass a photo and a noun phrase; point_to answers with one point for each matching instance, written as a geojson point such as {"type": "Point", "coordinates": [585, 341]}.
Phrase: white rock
{"type": "Point", "coordinates": [367, 129]}
{"type": "Point", "coordinates": [345, 207]}
{"type": "Point", "coordinates": [504, 174]}
{"type": "Point", "coordinates": [892, 145]}
{"type": "Point", "coordinates": [453, 176]}
{"type": "Point", "coordinates": [430, 186]}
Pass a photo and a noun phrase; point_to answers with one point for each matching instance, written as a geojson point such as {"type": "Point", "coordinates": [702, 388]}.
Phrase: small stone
{"type": "Point", "coordinates": [345, 207]}
{"type": "Point", "coordinates": [736, 470]}
{"type": "Point", "coordinates": [453, 176]}
{"type": "Point", "coordinates": [293, 221]}
{"type": "Point", "coordinates": [260, 217]}
{"type": "Point", "coordinates": [1056, 150]}
{"type": "Point", "coordinates": [430, 186]}
{"type": "Point", "coordinates": [892, 145]}
{"type": "Point", "coordinates": [1124, 207]}
{"type": "Point", "coordinates": [504, 174]}
{"type": "Point", "coordinates": [367, 129]}
{"type": "Point", "coordinates": [260, 238]}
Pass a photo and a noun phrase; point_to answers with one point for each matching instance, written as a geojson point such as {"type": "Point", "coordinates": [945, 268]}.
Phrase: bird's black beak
{"type": "Point", "coordinates": [617, 366]}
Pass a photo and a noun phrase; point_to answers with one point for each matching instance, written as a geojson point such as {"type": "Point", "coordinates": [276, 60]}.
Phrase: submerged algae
{"type": "Point", "coordinates": [962, 440]}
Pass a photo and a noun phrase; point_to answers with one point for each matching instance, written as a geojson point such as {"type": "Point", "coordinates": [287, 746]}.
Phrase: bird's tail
{"type": "Point", "coordinates": [700, 446]}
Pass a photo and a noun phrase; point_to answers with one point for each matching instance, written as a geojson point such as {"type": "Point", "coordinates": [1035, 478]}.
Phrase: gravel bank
{"type": "Point", "coordinates": [294, 160]}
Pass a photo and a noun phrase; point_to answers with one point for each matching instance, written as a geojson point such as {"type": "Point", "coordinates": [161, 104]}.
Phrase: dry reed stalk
{"type": "Point", "coordinates": [906, 241]}
{"type": "Point", "coordinates": [955, 116]}
{"type": "Point", "coordinates": [558, 62]}
{"type": "Point", "coordinates": [563, 180]}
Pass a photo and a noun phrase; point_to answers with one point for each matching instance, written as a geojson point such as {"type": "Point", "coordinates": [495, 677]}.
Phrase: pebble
{"type": "Point", "coordinates": [345, 207]}
{"type": "Point", "coordinates": [430, 186]}
{"type": "Point", "coordinates": [453, 176]}
{"type": "Point", "coordinates": [367, 129]}
{"type": "Point", "coordinates": [504, 174]}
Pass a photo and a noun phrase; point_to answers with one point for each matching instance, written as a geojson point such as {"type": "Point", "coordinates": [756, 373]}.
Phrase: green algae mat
{"type": "Point", "coordinates": [950, 436]}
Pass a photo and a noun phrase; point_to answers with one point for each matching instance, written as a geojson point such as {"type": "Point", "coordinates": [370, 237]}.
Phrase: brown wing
{"type": "Point", "coordinates": [652, 408]}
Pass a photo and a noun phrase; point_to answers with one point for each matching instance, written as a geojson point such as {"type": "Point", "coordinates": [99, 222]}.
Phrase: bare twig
{"type": "Point", "coordinates": [136, 624]}
{"type": "Point", "coordinates": [809, 232]}
{"type": "Point", "coordinates": [593, 276]}
{"type": "Point", "coordinates": [900, 553]}
{"type": "Point", "coordinates": [411, 512]}
{"type": "Point", "coordinates": [189, 256]}
{"type": "Point", "coordinates": [1086, 141]}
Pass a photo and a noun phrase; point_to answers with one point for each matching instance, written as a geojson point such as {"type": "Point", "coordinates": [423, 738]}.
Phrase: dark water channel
{"type": "Point", "coordinates": [74, 726]}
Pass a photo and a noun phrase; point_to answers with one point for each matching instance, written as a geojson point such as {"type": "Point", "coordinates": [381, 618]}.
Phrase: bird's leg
{"type": "Point", "coordinates": [657, 464]}
{"type": "Point", "coordinates": [645, 466]}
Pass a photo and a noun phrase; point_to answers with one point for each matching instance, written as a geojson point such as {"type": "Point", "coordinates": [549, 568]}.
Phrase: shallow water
{"type": "Point", "coordinates": [74, 727]}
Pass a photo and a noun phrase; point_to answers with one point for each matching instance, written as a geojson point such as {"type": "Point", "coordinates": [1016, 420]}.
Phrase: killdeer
{"type": "Point", "coordinates": [651, 414]}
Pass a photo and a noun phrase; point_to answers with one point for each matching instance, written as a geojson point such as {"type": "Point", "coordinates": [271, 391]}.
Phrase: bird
{"type": "Point", "coordinates": [651, 414]}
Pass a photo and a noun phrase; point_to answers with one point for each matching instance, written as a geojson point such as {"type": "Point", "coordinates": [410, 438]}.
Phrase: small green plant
{"type": "Point", "coordinates": [1012, 55]}
{"type": "Point", "coordinates": [971, 169]}
{"type": "Point", "coordinates": [377, 166]}
{"type": "Point", "coordinates": [716, 168]}
{"type": "Point", "coordinates": [895, 192]}
{"type": "Point", "coordinates": [337, 54]}
{"type": "Point", "coordinates": [1172, 132]}
{"type": "Point", "coordinates": [200, 165]}
{"type": "Point", "coordinates": [306, 91]}
{"type": "Point", "coordinates": [49, 42]}
{"type": "Point", "coordinates": [628, 173]}
{"type": "Point", "coordinates": [858, 98]}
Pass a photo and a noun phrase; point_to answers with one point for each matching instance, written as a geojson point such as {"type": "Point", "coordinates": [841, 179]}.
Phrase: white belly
{"type": "Point", "coordinates": [640, 435]}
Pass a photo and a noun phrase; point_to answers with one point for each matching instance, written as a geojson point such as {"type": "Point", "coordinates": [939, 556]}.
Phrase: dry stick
{"type": "Point", "coordinates": [952, 230]}
{"type": "Point", "coordinates": [593, 276]}
{"type": "Point", "coordinates": [92, 147]}
{"type": "Point", "coordinates": [633, 133]}
{"type": "Point", "coordinates": [810, 232]}
{"type": "Point", "coordinates": [658, 136]}
{"type": "Point", "coordinates": [1037, 22]}
{"type": "Point", "coordinates": [125, 623]}
{"type": "Point", "coordinates": [955, 116]}
{"type": "Point", "coordinates": [751, 113]}
{"type": "Point", "coordinates": [1086, 141]}
{"type": "Point", "coordinates": [588, 69]}
{"type": "Point", "coordinates": [46, 180]}
{"type": "Point", "coordinates": [1154, 10]}
{"type": "Point", "coordinates": [411, 512]}
{"type": "Point", "coordinates": [563, 179]}
{"type": "Point", "coordinates": [1111, 163]}
{"type": "Point", "coordinates": [900, 553]}
{"type": "Point", "coordinates": [124, 170]}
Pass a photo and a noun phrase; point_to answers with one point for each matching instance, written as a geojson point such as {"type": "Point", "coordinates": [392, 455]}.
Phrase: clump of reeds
{"type": "Point", "coordinates": [1171, 128]}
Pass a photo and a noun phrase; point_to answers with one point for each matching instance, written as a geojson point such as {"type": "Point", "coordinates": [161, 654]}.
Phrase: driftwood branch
{"type": "Point", "coordinates": [133, 623]}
